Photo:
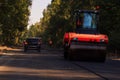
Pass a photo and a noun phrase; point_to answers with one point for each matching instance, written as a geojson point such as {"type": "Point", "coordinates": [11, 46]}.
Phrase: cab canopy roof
{"type": "Point", "coordinates": [86, 11]}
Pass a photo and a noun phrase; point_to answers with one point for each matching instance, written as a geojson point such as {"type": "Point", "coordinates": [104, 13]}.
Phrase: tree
{"type": "Point", "coordinates": [35, 30]}
{"type": "Point", "coordinates": [14, 19]}
{"type": "Point", "coordinates": [109, 21]}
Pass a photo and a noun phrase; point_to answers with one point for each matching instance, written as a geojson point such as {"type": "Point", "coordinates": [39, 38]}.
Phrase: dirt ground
{"type": "Point", "coordinates": [7, 49]}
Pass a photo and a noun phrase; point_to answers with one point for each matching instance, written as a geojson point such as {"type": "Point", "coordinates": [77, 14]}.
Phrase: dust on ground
{"type": "Point", "coordinates": [8, 49]}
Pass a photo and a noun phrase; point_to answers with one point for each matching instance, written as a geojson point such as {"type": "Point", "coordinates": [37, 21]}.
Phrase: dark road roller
{"type": "Point", "coordinates": [85, 43]}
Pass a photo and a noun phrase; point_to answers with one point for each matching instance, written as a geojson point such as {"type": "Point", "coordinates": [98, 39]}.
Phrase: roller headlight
{"type": "Point", "coordinates": [75, 39]}
{"type": "Point", "coordinates": [102, 40]}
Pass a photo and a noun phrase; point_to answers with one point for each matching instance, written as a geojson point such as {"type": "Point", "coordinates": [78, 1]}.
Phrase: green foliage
{"type": "Point", "coordinates": [115, 40]}
{"type": "Point", "coordinates": [14, 16]}
{"type": "Point", "coordinates": [35, 31]}
{"type": "Point", "coordinates": [109, 21]}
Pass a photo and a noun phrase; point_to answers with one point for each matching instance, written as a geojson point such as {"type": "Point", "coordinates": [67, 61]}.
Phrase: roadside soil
{"type": "Point", "coordinates": [5, 49]}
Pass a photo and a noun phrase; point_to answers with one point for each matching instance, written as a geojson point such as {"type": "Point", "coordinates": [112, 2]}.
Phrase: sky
{"type": "Point", "coordinates": [37, 9]}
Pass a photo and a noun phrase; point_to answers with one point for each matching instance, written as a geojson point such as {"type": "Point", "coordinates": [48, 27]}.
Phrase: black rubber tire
{"type": "Point", "coordinates": [39, 49]}
{"type": "Point", "coordinates": [65, 54]}
{"type": "Point", "coordinates": [70, 55]}
{"type": "Point", "coordinates": [102, 58]}
{"type": "Point", "coordinates": [25, 49]}
{"type": "Point", "coordinates": [70, 58]}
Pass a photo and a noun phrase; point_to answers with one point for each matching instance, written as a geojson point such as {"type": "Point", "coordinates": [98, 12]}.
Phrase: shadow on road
{"type": "Point", "coordinates": [45, 65]}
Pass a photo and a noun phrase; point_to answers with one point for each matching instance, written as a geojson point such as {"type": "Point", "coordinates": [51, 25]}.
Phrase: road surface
{"type": "Point", "coordinates": [50, 65]}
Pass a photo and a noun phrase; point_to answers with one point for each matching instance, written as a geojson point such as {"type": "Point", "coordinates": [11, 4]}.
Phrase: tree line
{"type": "Point", "coordinates": [58, 19]}
{"type": "Point", "coordinates": [14, 16]}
